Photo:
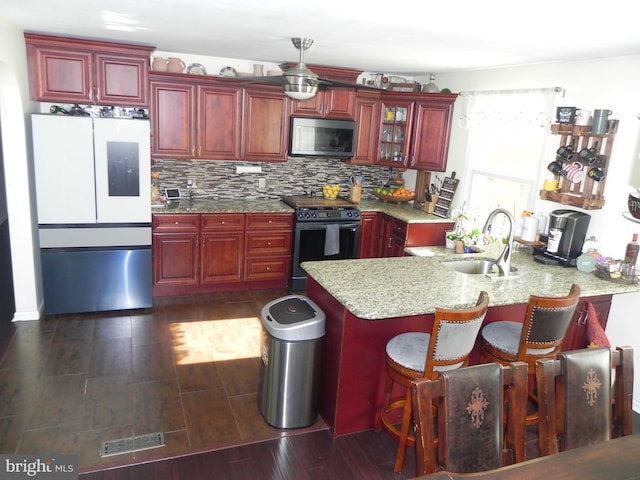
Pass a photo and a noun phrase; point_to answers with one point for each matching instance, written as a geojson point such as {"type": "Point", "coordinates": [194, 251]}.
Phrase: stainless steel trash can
{"type": "Point", "coordinates": [293, 327]}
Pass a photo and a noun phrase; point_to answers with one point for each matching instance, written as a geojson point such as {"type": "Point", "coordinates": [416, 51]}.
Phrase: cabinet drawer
{"type": "Point", "coordinates": [263, 243]}
{"type": "Point", "coordinates": [269, 268]}
{"type": "Point", "coordinates": [215, 222]}
{"type": "Point", "coordinates": [269, 221]}
{"type": "Point", "coordinates": [176, 223]}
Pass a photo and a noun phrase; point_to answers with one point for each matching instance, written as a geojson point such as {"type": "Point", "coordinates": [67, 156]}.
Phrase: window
{"type": "Point", "coordinates": [506, 140]}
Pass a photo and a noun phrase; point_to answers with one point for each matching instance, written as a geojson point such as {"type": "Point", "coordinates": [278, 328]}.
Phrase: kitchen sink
{"type": "Point", "coordinates": [480, 267]}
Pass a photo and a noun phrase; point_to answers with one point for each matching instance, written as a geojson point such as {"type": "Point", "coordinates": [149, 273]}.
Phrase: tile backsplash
{"type": "Point", "coordinates": [218, 179]}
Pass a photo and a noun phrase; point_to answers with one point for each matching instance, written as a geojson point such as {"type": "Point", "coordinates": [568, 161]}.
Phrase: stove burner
{"type": "Point", "coordinates": [318, 209]}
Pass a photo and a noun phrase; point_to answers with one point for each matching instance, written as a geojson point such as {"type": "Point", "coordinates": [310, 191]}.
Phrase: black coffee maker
{"type": "Point", "coordinates": [567, 231]}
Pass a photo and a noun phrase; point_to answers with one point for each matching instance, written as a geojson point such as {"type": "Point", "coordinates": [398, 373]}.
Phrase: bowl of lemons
{"type": "Point", "coordinates": [330, 192]}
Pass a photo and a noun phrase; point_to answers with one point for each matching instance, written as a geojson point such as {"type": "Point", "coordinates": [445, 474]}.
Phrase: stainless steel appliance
{"type": "Point", "coordinates": [324, 230]}
{"type": "Point", "coordinates": [319, 137]}
{"type": "Point", "coordinates": [94, 212]}
{"type": "Point", "coordinates": [567, 231]}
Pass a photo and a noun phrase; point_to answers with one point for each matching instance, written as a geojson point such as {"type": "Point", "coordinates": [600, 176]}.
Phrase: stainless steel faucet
{"type": "Point", "coordinates": [503, 262]}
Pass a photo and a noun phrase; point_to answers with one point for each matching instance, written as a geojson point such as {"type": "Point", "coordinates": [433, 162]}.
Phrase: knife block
{"type": "Point", "coordinates": [429, 207]}
{"type": "Point", "coordinates": [355, 194]}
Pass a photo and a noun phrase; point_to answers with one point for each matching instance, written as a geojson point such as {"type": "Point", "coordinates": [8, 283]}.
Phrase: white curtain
{"type": "Point", "coordinates": [511, 109]}
{"type": "Point", "coordinates": [507, 131]}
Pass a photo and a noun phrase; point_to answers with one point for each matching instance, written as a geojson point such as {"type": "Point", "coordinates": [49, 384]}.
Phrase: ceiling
{"type": "Point", "coordinates": [411, 37]}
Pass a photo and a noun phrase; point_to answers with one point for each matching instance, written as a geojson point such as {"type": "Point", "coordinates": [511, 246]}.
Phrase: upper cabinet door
{"type": "Point", "coordinates": [265, 125]}
{"type": "Point", "coordinates": [432, 128]}
{"type": "Point", "coordinates": [172, 119]}
{"type": "Point", "coordinates": [368, 123]}
{"type": "Point", "coordinates": [121, 80]}
{"type": "Point", "coordinates": [219, 122]}
{"type": "Point", "coordinates": [58, 75]}
{"type": "Point", "coordinates": [338, 104]}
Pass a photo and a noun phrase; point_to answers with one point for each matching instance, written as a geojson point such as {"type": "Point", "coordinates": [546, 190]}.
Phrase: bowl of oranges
{"type": "Point", "coordinates": [394, 195]}
{"type": "Point", "coordinates": [330, 192]}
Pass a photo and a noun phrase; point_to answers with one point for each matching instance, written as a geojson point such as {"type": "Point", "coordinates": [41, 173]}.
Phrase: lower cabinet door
{"type": "Point", "coordinates": [222, 257]}
{"type": "Point", "coordinates": [175, 259]}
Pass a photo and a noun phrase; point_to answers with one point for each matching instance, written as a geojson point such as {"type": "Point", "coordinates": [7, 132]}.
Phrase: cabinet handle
{"type": "Point", "coordinates": [222, 222]}
{"type": "Point", "coordinates": [270, 221]}
{"type": "Point", "coordinates": [390, 240]}
{"type": "Point", "coordinates": [268, 244]}
{"type": "Point", "coordinates": [198, 240]}
{"type": "Point", "coordinates": [268, 268]}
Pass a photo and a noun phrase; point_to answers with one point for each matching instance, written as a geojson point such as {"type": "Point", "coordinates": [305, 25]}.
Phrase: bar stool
{"type": "Point", "coordinates": [414, 355]}
{"type": "Point", "coordinates": [539, 336]}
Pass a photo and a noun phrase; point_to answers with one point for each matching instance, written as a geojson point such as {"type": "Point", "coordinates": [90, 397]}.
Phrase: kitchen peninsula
{"type": "Point", "coordinates": [369, 301]}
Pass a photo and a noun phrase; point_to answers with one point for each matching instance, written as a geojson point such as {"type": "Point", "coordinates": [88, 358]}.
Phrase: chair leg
{"type": "Point", "coordinates": [386, 401]}
{"type": "Point", "coordinates": [404, 433]}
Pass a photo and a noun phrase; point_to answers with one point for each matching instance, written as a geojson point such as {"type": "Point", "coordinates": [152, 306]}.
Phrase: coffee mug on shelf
{"type": "Point", "coordinates": [566, 153]}
{"type": "Point", "coordinates": [550, 185]}
{"type": "Point", "coordinates": [596, 174]}
{"type": "Point", "coordinates": [601, 123]}
{"type": "Point", "coordinates": [574, 172]}
{"type": "Point", "coordinates": [583, 117]}
{"type": "Point", "coordinates": [588, 155]}
{"type": "Point", "coordinates": [555, 167]}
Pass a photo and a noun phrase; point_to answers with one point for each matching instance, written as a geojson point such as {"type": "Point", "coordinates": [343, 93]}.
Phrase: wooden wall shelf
{"type": "Point", "coordinates": [587, 194]}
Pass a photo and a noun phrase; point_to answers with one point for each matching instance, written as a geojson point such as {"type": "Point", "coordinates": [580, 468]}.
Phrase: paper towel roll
{"type": "Point", "coordinates": [529, 229]}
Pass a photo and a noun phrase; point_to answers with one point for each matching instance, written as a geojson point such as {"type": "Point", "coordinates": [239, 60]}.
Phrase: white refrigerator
{"type": "Point", "coordinates": [93, 185]}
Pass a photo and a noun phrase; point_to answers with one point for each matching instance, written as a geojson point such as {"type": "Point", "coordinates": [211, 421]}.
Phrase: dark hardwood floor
{"type": "Point", "coordinates": [188, 367]}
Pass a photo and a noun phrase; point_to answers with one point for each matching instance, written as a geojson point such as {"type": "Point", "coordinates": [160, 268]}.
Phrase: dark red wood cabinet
{"type": "Point", "coordinates": [200, 253]}
{"type": "Point", "coordinates": [84, 71]}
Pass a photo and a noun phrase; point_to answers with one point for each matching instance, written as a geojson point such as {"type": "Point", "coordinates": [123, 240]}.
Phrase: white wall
{"type": "Point", "coordinates": [14, 108]}
{"type": "Point", "coordinates": [607, 83]}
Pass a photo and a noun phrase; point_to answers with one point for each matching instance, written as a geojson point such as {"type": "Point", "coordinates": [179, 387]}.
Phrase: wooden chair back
{"type": "Point", "coordinates": [471, 404]}
{"type": "Point", "coordinates": [581, 401]}
{"type": "Point", "coordinates": [453, 336]}
{"type": "Point", "coordinates": [545, 324]}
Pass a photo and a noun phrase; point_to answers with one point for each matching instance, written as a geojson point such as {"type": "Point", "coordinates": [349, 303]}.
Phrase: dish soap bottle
{"type": "Point", "coordinates": [630, 257]}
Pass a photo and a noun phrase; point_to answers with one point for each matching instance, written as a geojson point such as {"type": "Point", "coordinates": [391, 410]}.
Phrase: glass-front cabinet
{"type": "Point", "coordinates": [395, 132]}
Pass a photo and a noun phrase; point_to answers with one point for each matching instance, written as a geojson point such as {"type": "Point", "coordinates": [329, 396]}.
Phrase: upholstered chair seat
{"type": "Point", "coordinates": [414, 355]}
{"type": "Point", "coordinates": [538, 336]}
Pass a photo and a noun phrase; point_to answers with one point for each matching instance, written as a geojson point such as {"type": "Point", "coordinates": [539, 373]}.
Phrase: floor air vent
{"type": "Point", "coordinates": [132, 444]}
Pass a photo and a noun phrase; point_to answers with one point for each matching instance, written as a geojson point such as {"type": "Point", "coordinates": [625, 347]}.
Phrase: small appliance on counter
{"type": "Point", "coordinates": [567, 231]}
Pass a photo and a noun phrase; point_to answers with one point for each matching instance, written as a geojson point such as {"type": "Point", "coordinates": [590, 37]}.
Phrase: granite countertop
{"type": "Point", "coordinates": [380, 288]}
{"type": "Point", "coordinates": [210, 205]}
{"type": "Point", "coordinates": [404, 212]}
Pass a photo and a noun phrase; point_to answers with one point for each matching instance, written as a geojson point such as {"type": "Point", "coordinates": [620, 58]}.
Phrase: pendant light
{"type": "Point", "coordinates": [300, 82]}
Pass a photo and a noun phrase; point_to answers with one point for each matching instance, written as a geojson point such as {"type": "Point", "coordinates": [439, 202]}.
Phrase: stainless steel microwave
{"type": "Point", "coordinates": [316, 137]}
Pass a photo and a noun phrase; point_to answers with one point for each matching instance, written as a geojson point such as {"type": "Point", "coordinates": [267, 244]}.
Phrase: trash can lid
{"type": "Point", "coordinates": [294, 317]}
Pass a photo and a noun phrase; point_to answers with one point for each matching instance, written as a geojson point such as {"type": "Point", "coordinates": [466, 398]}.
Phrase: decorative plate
{"type": "Point", "coordinates": [196, 69]}
{"type": "Point", "coordinates": [228, 72]}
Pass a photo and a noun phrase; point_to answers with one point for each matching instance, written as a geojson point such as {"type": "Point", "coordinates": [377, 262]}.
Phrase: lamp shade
{"type": "Point", "coordinates": [300, 83]}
